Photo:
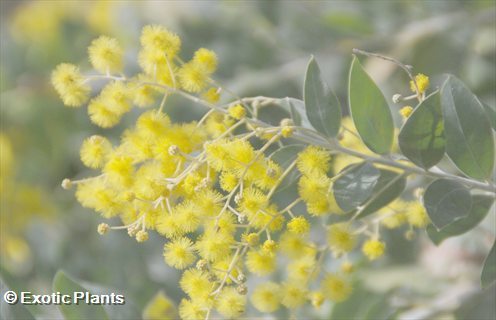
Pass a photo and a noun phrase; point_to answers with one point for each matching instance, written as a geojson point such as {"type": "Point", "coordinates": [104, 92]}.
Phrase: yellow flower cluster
{"type": "Point", "coordinates": [208, 187]}
{"type": "Point", "coordinates": [422, 82]}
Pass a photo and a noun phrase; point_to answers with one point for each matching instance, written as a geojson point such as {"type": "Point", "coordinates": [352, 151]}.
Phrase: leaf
{"type": "Point", "coordinates": [469, 139]}
{"type": "Point", "coordinates": [369, 110]}
{"type": "Point", "coordinates": [421, 138]}
{"type": "Point", "coordinates": [295, 115]}
{"type": "Point", "coordinates": [446, 201]}
{"type": "Point", "coordinates": [160, 307]}
{"type": "Point", "coordinates": [488, 275]}
{"type": "Point", "coordinates": [491, 114]}
{"type": "Point", "coordinates": [321, 104]}
{"type": "Point", "coordinates": [389, 186]}
{"type": "Point", "coordinates": [296, 109]}
{"type": "Point", "coordinates": [284, 157]}
{"type": "Point", "coordinates": [480, 207]}
{"type": "Point", "coordinates": [65, 285]}
{"type": "Point", "coordinates": [355, 186]}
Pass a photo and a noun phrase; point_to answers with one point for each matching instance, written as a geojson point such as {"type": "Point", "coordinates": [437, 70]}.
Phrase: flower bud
{"type": "Point", "coordinates": [66, 184]}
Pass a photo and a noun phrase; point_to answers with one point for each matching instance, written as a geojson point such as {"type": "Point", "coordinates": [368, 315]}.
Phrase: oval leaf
{"type": "Point", "coordinates": [421, 138]}
{"type": "Point", "coordinates": [370, 110]}
{"type": "Point", "coordinates": [355, 186]}
{"type": "Point", "coordinates": [65, 285]}
{"type": "Point", "coordinates": [469, 139]}
{"type": "Point", "coordinates": [389, 186]}
{"type": "Point", "coordinates": [488, 275]}
{"type": "Point", "coordinates": [480, 207]}
{"type": "Point", "coordinates": [321, 104]}
{"type": "Point", "coordinates": [446, 201]}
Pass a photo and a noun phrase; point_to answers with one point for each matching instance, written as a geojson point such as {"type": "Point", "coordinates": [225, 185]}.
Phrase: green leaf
{"type": "Point", "coordinates": [82, 310]}
{"type": "Point", "coordinates": [321, 104]}
{"type": "Point", "coordinates": [296, 109]}
{"type": "Point", "coordinates": [295, 115]}
{"type": "Point", "coordinates": [284, 157]}
{"type": "Point", "coordinates": [446, 201]}
{"type": "Point", "coordinates": [389, 186]}
{"type": "Point", "coordinates": [491, 114]}
{"type": "Point", "coordinates": [480, 207]}
{"type": "Point", "coordinates": [370, 110]}
{"type": "Point", "coordinates": [469, 139]}
{"type": "Point", "coordinates": [355, 185]}
{"type": "Point", "coordinates": [488, 275]}
{"type": "Point", "coordinates": [421, 138]}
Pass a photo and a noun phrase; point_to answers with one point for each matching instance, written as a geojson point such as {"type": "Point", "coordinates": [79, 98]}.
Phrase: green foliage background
{"type": "Point", "coordinates": [263, 49]}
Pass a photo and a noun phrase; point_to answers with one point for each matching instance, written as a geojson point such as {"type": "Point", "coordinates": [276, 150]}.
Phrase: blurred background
{"type": "Point", "coordinates": [263, 48]}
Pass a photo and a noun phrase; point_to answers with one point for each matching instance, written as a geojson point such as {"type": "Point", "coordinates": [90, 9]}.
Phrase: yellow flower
{"type": "Point", "coordinates": [251, 239]}
{"type": "Point", "coordinates": [295, 246]}
{"type": "Point", "coordinates": [260, 262]}
{"type": "Point", "coordinates": [152, 124]}
{"type": "Point", "coordinates": [301, 269]}
{"type": "Point", "coordinates": [406, 111]}
{"type": "Point", "coordinates": [212, 95]}
{"type": "Point", "coordinates": [193, 78]}
{"type": "Point", "coordinates": [228, 181]}
{"type": "Point", "coordinates": [340, 238]}
{"type": "Point", "coordinates": [191, 310]}
{"type": "Point", "coordinates": [106, 54]}
{"type": "Point", "coordinates": [69, 84]}
{"type": "Point", "coordinates": [230, 303]}
{"type": "Point", "coordinates": [317, 299]}
{"type": "Point", "coordinates": [266, 297]}
{"type": "Point", "coordinates": [119, 170]}
{"type": "Point", "coordinates": [313, 160]}
{"type": "Point", "coordinates": [417, 215]}
{"type": "Point", "coordinates": [294, 295]}
{"type": "Point", "coordinates": [117, 97]}
{"type": "Point", "coordinates": [205, 58]}
{"type": "Point", "coordinates": [336, 288]}
{"type": "Point", "coordinates": [214, 246]}
{"type": "Point", "coordinates": [298, 225]}
{"type": "Point", "coordinates": [160, 307]}
{"type": "Point", "coordinates": [373, 248]}
{"type": "Point", "coordinates": [95, 151]}
{"type": "Point", "coordinates": [253, 201]}
{"type": "Point", "coordinates": [159, 39]}
{"type": "Point", "coordinates": [179, 253]}
{"type": "Point", "coordinates": [196, 284]}
{"type": "Point", "coordinates": [238, 112]}
{"type": "Point", "coordinates": [101, 115]}
{"type": "Point", "coordinates": [422, 83]}
{"type": "Point", "coordinates": [143, 95]}
{"type": "Point", "coordinates": [313, 187]}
